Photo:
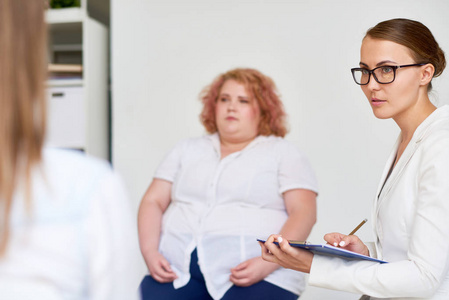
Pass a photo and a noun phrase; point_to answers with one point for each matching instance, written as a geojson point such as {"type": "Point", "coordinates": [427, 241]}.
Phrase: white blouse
{"type": "Point", "coordinates": [80, 240]}
{"type": "Point", "coordinates": [221, 206]}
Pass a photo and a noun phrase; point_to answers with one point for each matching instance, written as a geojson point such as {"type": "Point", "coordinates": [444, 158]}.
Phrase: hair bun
{"type": "Point", "coordinates": [440, 62]}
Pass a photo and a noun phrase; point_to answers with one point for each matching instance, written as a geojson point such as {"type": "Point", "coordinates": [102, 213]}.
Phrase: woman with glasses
{"type": "Point", "coordinates": [398, 60]}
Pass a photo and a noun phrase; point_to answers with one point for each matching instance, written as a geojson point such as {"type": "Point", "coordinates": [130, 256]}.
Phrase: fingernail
{"type": "Point", "coordinates": [335, 244]}
{"type": "Point", "coordinates": [280, 239]}
{"type": "Point", "coordinates": [342, 243]}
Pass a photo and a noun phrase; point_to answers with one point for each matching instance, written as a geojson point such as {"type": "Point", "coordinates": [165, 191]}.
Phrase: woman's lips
{"type": "Point", "coordinates": [377, 102]}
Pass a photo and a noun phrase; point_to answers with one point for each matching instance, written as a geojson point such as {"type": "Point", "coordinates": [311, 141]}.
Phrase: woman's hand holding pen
{"type": "Point", "coordinates": [348, 242]}
{"type": "Point", "coordinates": [286, 255]}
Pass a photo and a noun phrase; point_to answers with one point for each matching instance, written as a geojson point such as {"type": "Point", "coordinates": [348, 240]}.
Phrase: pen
{"type": "Point", "coordinates": [293, 242]}
{"type": "Point", "coordinates": [358, 227]}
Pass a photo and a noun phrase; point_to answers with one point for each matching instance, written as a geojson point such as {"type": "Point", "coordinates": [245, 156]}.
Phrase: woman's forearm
{"type": "Point", "coordinates": [301, 209]}
{"type": "Point", "coordinates": [151, 210]}
{"type": "Point", "coordinates": [149, 225]}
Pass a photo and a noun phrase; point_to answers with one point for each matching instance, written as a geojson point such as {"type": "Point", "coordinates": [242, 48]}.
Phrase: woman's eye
{"type": "Point", "coordinates": [223, 99]}
{"type": "Point", "coordinates": [365, 72]}
{"type": "Point", "coordinates": [387, 70]}
{"type": "Point", "coordinates": [244, 101]}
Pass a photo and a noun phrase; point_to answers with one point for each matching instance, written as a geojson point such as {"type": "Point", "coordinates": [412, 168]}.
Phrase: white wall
{"type": "Point", "coordinates": [164, 52]}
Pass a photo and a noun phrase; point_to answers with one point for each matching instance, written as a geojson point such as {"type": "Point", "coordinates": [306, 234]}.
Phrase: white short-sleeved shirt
{"type": "Point", "coordinates": [221, 206]}
{"type": "Point", "coordinates": [80, 241]}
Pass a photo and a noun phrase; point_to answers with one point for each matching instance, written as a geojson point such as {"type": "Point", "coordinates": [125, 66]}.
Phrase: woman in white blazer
{"type": "Point", "coordinates": [399, 58]}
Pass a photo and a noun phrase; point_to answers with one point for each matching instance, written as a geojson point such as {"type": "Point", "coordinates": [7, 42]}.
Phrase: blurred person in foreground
{"type": "Point", "coordinates": [66, 230]}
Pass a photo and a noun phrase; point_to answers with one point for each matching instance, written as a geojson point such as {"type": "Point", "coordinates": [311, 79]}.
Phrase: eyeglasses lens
{"type": "Point", "coordinates": [361, 76]}
{"type": "Point", "coordinates": [384, 74]}
{"type": "Point", "coordinates": [381, 74]}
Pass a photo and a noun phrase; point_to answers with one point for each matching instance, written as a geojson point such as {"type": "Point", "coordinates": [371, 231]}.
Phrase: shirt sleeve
{"type": "Point", "coordinates": [170, 165]}
{"type": "Point", "coordinates": [113, 253]}
{"type": "Point", "coordinates": [295, 170]}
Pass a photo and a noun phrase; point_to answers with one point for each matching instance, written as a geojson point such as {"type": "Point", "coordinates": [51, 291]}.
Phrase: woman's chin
{"type": "Point", "coordinates": [381, 114]}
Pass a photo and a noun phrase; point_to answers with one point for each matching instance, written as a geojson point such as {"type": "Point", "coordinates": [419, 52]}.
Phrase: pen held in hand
{"type": "Point", "coordinates": [358, 227]}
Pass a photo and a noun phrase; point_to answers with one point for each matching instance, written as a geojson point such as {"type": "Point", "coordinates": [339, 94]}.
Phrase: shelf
{"type": "Point", "coordinates": [65, 82]}
{"type": "Point", "coordinates": [65, 15]}
{"type": "Point", "coordinates": [67, 47]}
{"type": "Point", "coordinates": [77, 87]}
{"type": "Point", "coordinates": [65, 68]}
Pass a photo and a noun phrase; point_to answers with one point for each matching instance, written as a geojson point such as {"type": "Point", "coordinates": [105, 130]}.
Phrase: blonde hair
{"type": "Point", "coordinates": [23, 40]}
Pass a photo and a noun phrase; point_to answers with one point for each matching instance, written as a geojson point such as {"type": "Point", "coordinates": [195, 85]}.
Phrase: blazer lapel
{"type": "Point", "coordinates": [387, 167]}
{"type": "Point", "coordinates": [398, 169]}
{"type": "Point", "coordinates": [377, 199]}
{"type": "Point", "coordinates": [440, 115]}
{"type": "Point", "coordinates": [424, 129]}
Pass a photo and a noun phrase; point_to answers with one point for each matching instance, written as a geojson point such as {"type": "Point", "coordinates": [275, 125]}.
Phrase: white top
{"type": "Point", "coordinates": [411, 223]}
{"type": "Point", "coordinates": [221, 206]}
{"type": "Point", "coordinates": [80, 241]}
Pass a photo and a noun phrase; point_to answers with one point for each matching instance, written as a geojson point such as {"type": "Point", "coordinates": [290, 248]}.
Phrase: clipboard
{"type": "Point", "coordinates": [328, 250]}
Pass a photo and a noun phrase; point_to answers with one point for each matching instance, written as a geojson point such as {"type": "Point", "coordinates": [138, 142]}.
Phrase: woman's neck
{"type": "Point", "coordinates": [229, 146]}
{"type": "Point", "coordinates": [411, 119]}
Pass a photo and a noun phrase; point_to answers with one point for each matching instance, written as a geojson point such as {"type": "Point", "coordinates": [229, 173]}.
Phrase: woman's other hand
{"type": "Point", "coordinates": [348, 242]}
{"type": "Point", "coordinates": [251, 271]}
{"type": "Point", "coordinates": [286, 255]}
{"type": "Point", "coordinates": [160, 268]}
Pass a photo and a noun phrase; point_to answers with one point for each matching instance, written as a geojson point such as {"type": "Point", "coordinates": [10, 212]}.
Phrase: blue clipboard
{"type": "Point", "coordinates": [324, 249]}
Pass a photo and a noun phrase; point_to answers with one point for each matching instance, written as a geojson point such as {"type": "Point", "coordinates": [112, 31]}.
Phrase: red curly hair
{"type": "Point", "coordinates": [259, 87]}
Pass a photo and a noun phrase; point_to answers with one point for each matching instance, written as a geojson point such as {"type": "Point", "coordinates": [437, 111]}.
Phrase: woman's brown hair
{"type": "Point", "coordinates": [22, 103]}
{"type": "Point", "coordinates": [415, 36]}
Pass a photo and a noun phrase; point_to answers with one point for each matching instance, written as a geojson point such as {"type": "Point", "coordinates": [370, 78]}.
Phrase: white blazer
{"type": "Point", "coordinates": [411, 225]}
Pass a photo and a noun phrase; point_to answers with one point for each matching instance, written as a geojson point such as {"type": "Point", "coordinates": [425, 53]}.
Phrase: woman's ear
{"type": "Point", "coordinates": [427, 74]}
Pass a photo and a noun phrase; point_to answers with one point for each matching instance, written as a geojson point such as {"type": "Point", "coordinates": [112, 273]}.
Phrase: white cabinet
{"type": "Point", "coordinates": [66, 117]}
{"type": "Point", "coordinates": [78, 107]}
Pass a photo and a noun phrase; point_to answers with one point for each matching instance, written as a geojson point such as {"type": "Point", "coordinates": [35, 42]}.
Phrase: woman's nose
{"type": "Point", "coordinates": [373, 85]}
{"type": "Point", "coordinates": [231, 105]}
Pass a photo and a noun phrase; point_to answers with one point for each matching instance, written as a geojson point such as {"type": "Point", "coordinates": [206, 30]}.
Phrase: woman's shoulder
{"type": "Point", "coordinates": [64, 166]}
{"type": "Point", "coordinates": [73, 160]}
{"type": "Point", "coordinates": [433, 138]}
{"type": "Point", "coordinates": [75, 180]}
{"type": "Point", "coordinates": [280, 143]}
{"type": "Point", "coordinates": [195, 143]}
{"type": "Point", "coordinates": [435, 129]}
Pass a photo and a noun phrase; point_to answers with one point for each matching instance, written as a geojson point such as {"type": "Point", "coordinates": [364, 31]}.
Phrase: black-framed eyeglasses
{"type": "Point", "coordinates": [382, 74]}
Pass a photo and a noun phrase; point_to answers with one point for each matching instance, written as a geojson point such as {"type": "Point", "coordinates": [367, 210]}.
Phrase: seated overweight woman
{"type": "Point", "coordinates": [211, 197]}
